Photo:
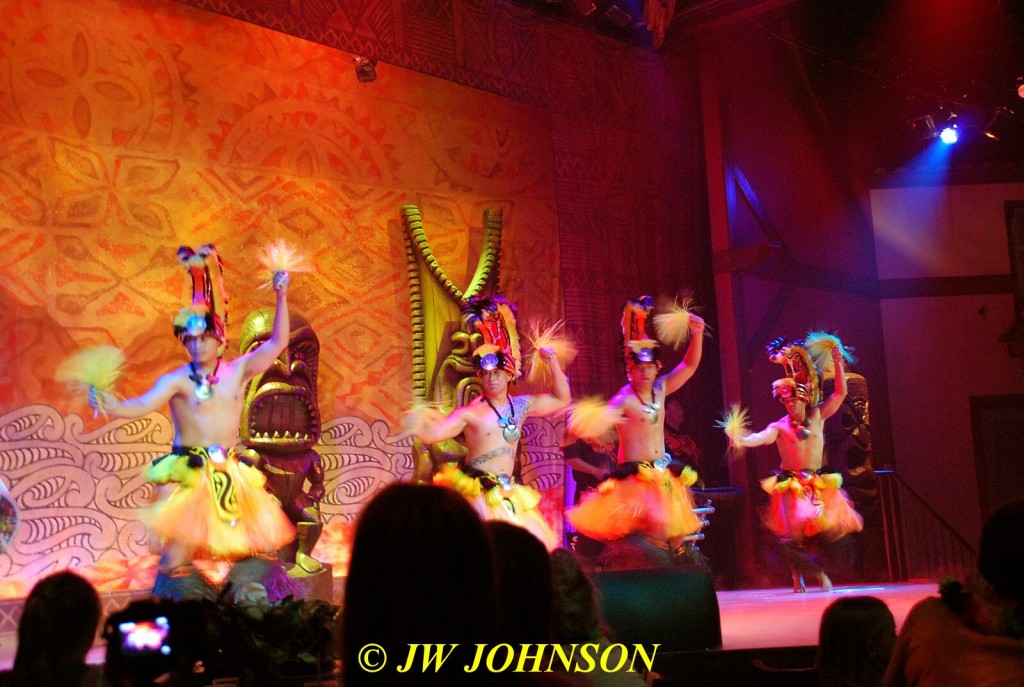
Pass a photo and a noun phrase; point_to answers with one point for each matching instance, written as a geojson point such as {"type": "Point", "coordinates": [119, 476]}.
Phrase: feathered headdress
{"type": "Point", "coordinates": [802, 378]}
{"type": "Point", "coordinates": [207, 313]}
{"type": "Point", "coordinates": [807, 362]}
{"type": "Point", "coordinates": [494, 318]}
{"type": "Point", "coordinates": [637, 346]}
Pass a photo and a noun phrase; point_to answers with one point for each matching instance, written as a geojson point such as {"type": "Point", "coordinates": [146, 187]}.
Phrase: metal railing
{"type": "Point", "coordinates": [919, 543]}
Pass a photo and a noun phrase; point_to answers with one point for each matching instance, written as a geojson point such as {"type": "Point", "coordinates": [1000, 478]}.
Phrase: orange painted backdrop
{"type": "Point", "coordinates": [129, 128]}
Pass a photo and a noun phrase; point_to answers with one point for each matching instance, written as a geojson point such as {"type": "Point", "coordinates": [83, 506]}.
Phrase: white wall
{"type": "Point", "coordinates": [942, 350]}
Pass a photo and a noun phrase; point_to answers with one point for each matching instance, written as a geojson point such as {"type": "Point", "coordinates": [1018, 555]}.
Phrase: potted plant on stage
{"type": "Point", "coordinates": [259, 642]}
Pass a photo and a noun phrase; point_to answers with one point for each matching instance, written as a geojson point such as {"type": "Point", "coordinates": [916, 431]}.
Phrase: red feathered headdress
{"type": "Point", "coordinates": [494, 318]}
{"type": "Point", "coordinates": [207, 313]}
{"type": "Point", "coordinates": [637, 346]}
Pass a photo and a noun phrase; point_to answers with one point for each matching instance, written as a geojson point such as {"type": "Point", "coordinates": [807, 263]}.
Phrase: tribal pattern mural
{"type": "Point", "coordinates": [132, 128]}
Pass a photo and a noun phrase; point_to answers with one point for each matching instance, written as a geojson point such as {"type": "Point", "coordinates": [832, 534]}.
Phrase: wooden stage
{"type": "Point", "coordinates": [761, 618]}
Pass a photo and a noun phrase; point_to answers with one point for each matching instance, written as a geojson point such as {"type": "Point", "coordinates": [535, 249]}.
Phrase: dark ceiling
{"type": "Point", "coordinates": [875, 66]}
{"type": "Point", "coordinates": [871, 66]}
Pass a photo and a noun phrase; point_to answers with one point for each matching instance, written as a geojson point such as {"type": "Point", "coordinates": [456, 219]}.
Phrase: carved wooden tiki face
{"type": "Point", "coordinates": [280, 414]}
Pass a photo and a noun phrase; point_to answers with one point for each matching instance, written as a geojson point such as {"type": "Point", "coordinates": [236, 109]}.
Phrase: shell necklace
{"type": "Point", "coordinates": [509, 429]}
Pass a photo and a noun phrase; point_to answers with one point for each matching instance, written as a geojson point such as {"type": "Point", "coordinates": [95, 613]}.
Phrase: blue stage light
{"type": "Point", "coordinates": [949, 135]}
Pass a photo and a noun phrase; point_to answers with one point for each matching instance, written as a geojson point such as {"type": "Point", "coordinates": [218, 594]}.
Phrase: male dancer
{"type": "Point", "coordinates": [807, 506]}
{"type": "Point", "coordinates": [649, 491]}
{"type": "Point", "coordinates": [491, 424]}
{"type": "Point", "coordinates": [209, 500]}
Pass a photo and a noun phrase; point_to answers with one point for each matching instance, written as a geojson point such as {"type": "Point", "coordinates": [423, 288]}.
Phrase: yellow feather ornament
{"type": "Point", "coordinates": [592, 418]}
{"type": "Point", "coordinates": [673, 323]}
{"type": "Point", "coordinates": [735, 422]}
{"type": "Point", "coordinates": [553, 337]}
{"type": "Point", "coordinates": [420, 416]}
{"type": "Point", "coordinates": [819, 346]}
{"type": "Point", "coordinates": [93, 372]}
{"type": "Point", "coordinates": [280, 257]}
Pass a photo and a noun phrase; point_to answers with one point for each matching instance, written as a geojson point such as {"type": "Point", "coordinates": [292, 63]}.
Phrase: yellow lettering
{"type": "Point", "coordinates": [587, 653]}
{"type": "Point", "coordinates": [509, 655]}
{"type": "Point", "coordinates": [648, 660]}
{"type": "Point", "coordinates": [559, 651]}
{"type": "Point", "coordinates": [525, 655]}
{"type": "Point", "coordinates": [623, 655]}
{"type": "Point", "coordinates": [408, 659]}
{"type": "Point", "coordinates": [434, 656]}
{"type": "Point", "coordinates": [476, 659]}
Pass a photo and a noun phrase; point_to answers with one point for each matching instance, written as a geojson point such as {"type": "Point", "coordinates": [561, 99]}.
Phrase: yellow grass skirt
{"type": "Point", "coordinates": [807, 504]}
{"type": "Point", "coordinates": [220, 509]}
{"type": "Point", "coordinates": [499, 497]}
{"type": "Point", "coordinates": [654, 501]}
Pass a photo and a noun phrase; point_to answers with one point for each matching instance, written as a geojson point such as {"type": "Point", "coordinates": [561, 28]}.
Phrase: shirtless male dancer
{"type": "Point", "coordinates": [209, 500]}
{"type": "Point", "coordinates": [491, 426]}
{"type": "Point", "coordinates": [648, 493]}
{"type": "Point", "coordinates": [808, 509]}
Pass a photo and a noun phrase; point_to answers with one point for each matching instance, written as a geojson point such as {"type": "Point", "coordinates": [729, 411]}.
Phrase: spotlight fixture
{"type": "Point", "coordinates": [941, 124]}
{"type": "Point", "coordinates": [924, 127]}
{"type": "Point", "coordinates": [366, 69]}
{"type": "Point", "coordinates": [949, 134]}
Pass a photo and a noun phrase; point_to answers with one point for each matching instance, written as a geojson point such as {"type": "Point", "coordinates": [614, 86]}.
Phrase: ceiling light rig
{"type": "Point", "coordinates": [989, 123]}
{"type": "Point", "coordinates": [961, 122]}
{"type": "Point", "coordinates": [942, 124]}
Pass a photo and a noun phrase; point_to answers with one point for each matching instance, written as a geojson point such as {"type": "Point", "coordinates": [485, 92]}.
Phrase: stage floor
{"type": "Point", "coordinates": [766, 618]}
{"type": "Point", "coordinates": [751, 618]}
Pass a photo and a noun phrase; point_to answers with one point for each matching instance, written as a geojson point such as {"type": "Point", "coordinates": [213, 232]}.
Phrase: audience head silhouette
{"type": "Point", "coordinates": [1001, 551]}
{"type": "Point", "coordinates": [57, 628]}
{"type": "Point", "coordinates": [855, 641]}
{"type": "Point", "coordinates": [421, 572]}
{"type": "Point", "coordinates": [575, 617]}
{"type": "Point", "coordinates": [524, 580]}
